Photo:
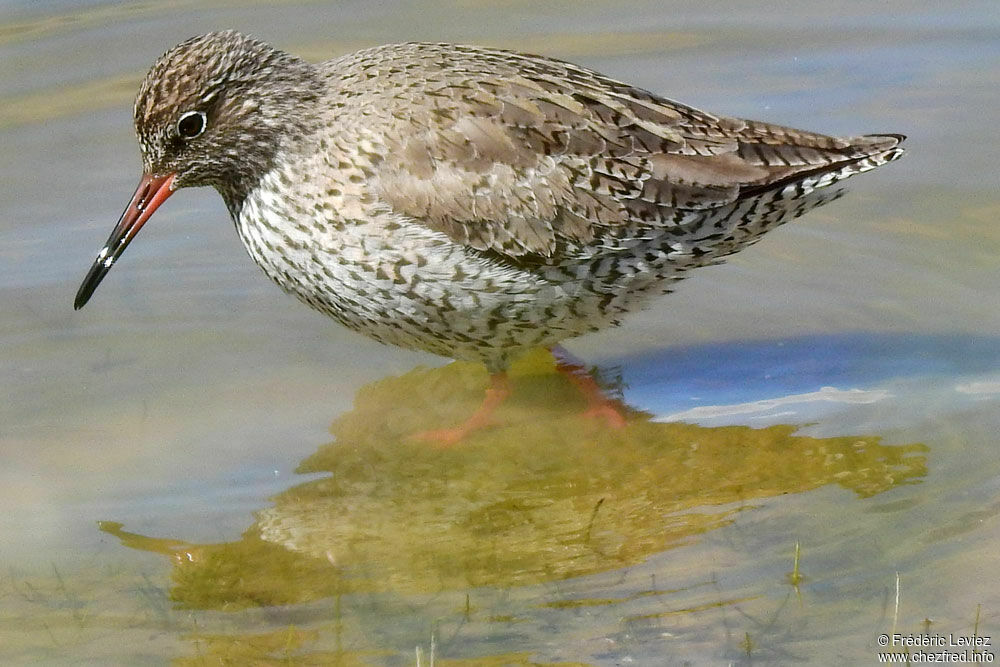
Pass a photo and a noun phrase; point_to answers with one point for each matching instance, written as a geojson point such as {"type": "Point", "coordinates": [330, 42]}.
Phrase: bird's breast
{"type": "Point", "coordinates": [364, 266]}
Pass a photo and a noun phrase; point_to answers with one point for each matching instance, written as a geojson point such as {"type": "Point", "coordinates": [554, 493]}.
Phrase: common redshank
{"type": "Point", "coordinates": [467, 201]}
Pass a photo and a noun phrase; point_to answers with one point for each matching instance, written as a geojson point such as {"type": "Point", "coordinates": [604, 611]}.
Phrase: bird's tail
{"type": "Point", "coordinates": [880, 148]}
{"type": "Point", "coordinates": [732, 228]}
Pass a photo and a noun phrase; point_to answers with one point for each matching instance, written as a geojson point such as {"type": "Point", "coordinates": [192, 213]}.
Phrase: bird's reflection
{"type": "Point", "coordinates": [545, 494]}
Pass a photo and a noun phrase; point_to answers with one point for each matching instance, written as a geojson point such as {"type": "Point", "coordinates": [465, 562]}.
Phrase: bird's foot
{"type": "Point", "coordinates": [447, 437]}
{"type": "Point", "coordinates": [599, 404]}
{"type": "Point", "coordinates": [496, 394]}
{"type": "Point", "coordinates": [607, 411]}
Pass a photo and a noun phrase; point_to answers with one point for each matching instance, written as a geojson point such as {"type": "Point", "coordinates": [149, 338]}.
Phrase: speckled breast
{"type": "Point", "coordinates": [399, 282]}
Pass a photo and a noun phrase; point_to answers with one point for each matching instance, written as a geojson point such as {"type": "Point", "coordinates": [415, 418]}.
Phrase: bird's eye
{"type": "Point", "coordinates": [191, 124]}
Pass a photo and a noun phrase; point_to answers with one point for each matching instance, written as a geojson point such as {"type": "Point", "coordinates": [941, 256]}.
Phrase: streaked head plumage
{"type": "Point", "coordinates": [215, 108]}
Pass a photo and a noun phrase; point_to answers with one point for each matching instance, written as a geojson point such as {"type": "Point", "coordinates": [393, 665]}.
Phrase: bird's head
{"type": "Point", "coordinates": [214, 110]}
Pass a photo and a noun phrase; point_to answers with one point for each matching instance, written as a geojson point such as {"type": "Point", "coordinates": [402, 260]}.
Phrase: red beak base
{"type": "Point", "coordinates": [152, 191]}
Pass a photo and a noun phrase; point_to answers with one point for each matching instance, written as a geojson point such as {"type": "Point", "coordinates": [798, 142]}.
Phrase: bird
{"type": "Point", "coordinates": [466, 201]}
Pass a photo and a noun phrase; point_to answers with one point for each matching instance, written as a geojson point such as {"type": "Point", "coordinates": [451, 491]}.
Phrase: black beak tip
{"type": "Point", "coordinates": [89, 284]}
{"type": "Point", "coordinates": [82, 297]}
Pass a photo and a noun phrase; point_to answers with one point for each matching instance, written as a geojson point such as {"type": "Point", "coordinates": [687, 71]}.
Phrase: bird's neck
{"type": "Point", "coordinates": [286, 113]}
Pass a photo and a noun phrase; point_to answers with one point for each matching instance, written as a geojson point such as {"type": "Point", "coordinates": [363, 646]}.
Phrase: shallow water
{"type": "Point", "coordinates": [199, 470]}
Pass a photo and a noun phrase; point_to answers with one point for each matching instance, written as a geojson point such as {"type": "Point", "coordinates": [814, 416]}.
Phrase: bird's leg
{"type": "Point", "coordinates": [496, 393]}
{"type": "Point", "coordinates": [599, 405]}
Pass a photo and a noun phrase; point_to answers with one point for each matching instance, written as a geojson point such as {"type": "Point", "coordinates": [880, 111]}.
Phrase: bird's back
{"type": "Point", "coordinates": [535, 159]}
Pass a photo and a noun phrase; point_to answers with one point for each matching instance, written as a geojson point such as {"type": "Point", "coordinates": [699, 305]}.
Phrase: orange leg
{"type": "Point", "coordinates": [496, 393]}
{"type": "Point", "coordinates": [599, 405]}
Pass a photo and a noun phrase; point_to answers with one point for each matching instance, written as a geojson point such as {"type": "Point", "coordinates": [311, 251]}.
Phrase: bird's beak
{"type": "Point", "coordinates": [152, 191]}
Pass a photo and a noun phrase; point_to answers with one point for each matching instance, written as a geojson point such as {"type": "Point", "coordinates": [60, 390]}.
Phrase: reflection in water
{"type": "Point", "coordinates": [544, 495]}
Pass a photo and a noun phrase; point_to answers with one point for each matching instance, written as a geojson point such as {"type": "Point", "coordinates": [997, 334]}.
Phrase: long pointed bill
{"type": "Point", "coordinates": [152, 191]}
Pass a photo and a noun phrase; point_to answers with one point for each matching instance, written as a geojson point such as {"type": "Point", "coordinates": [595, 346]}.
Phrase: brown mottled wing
{"type": "Point", "coordinates": [523, 155]}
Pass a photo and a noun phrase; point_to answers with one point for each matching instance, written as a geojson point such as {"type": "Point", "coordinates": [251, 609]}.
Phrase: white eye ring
{"type": "Point", "coordinates": [191, 124]}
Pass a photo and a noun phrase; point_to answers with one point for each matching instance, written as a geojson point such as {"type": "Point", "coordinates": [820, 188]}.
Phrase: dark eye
{"type": "Point", "coordinates": [191, 124]}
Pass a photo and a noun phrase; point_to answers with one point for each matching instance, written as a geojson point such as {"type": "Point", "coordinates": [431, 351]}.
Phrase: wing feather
{"type": "Point", "coordinates": [519, 154]}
